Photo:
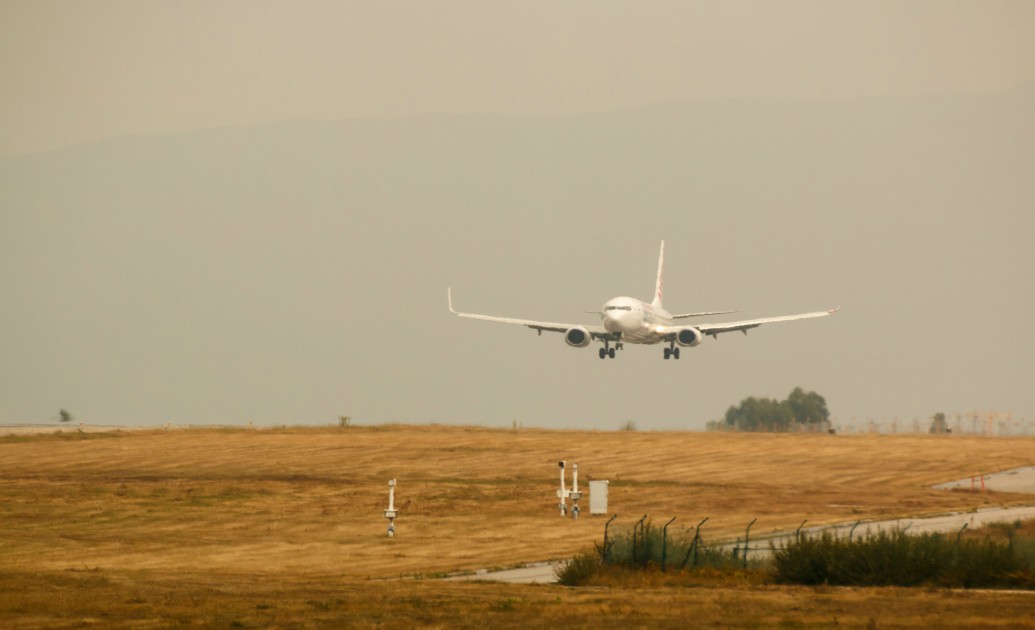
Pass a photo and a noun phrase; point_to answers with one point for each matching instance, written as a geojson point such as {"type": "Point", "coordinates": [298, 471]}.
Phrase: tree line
{"type": "Point", "coordinates": [800, 408]}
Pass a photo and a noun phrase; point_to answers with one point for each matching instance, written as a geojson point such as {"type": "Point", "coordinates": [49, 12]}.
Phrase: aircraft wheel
{"type": "Point", "coordinates": [668, 353]}
{"type": "Point", "coordinates": [603, 353]}
{"type": "Point", "coordinates": [611, 353]}
{"type": "Point", "coordinates": [675, 352]}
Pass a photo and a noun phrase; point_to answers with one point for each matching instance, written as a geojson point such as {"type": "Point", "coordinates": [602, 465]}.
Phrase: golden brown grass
{"type": "Point", "coordinates": [251, 526]}
{"type": "Point", "coordinates": [226, 600]}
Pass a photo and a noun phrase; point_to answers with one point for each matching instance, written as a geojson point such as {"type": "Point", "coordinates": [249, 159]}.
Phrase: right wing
{"type": "Point", "coordinates": [597, 332]}
{"type": "Point", "coordinates": [744, 326]}
{"type": "Point", "coordinates": [704, 314]}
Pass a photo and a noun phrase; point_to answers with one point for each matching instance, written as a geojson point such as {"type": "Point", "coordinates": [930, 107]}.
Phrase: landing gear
{"type": "Point", "coordinates": [607, 352]}
{"type": "Point", "coordinates": [672, 351]}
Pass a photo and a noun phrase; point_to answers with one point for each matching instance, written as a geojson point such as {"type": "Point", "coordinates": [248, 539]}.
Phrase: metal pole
{"type": "Point", "coordinates": [575, 491]}
{"type": "Point", "coordinates": [664, 543]}
{"type": "Point", "coordinates": [961, 533]}
{"type": "Point", "coordinates": [797, 532]}
{"type": "Point", "coordinates": [747, 535]}
{"type": "Point", "coordinates": [693, 545]}
{"type": "Point", "coordinates": [635, 527]}
{"type": "Point", "coordinates": [391, 513]}
{"type": "Point", "coordinates": [603, 555]}
{"type": "Point", "coordinates": [852, 531]}
{"type": "Point", "coordinates": [563, 505]}
{"type": "Point", "coordinates": [697, 539]}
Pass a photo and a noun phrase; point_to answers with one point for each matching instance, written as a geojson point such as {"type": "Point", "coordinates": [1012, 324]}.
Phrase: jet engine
{"type": "Point", "coordinates": [577, 337]}
{"type": "Point", "coordinates": [688, 337]}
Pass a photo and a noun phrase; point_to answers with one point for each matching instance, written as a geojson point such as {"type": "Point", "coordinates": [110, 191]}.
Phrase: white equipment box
{"type": "Point", "coordinates": [598, 496]}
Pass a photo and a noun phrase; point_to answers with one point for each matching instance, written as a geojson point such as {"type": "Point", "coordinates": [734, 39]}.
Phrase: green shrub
{"type": "Point", "coordinates": [896, 558]}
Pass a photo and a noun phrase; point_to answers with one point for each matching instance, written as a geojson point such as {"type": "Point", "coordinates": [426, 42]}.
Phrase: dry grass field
{"type": "Point", "coordinates": [284, 527]}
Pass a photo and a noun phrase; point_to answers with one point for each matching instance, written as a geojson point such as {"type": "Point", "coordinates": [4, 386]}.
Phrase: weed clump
{"type": "Point", "coordinates": [579, 570]}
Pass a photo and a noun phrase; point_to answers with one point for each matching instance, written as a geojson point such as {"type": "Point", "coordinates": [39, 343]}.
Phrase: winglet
{"type": "Point", "coordinates": [449, 296]}
{"type": "Point", "coordinates": [840, 302]}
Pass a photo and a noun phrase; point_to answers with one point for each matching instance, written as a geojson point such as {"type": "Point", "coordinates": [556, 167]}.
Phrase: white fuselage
{"type": "Point", "coordinates": [626, 319]}
{"type": "Point", "coordinates": [636, 320]}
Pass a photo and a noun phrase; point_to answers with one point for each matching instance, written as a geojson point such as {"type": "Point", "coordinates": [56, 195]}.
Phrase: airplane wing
{"type": "Point", "coordinates": [744, 326]}
{"type": "Point", "coordinates": [597, 331]}
{"type": "Point", "coordinates": [704, 314]}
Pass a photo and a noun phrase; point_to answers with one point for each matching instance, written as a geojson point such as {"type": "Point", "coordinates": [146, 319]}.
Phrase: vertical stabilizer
{"type": "Point", "coordinates": [658, 287]}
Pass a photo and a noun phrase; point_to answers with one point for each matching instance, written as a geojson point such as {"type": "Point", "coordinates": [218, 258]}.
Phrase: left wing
{"type": "Point", "coordinates": [744, 326]}
{"type": "Point", "coordinates": [596, 332]}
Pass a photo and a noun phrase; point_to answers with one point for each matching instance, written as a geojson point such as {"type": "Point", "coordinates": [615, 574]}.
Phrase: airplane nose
{"type": "Point", "coordinates": [615, 321]}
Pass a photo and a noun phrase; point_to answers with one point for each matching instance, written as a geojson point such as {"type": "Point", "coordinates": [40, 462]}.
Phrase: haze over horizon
{"type": "Point", "coordinates": [223, 212]}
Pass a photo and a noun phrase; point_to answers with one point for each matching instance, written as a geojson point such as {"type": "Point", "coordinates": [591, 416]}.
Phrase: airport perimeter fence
{"type": "Point", "coordinates": [644, 543]}
{"type": "Point", "coordinates": [829, 555]}
{"type": "Point", "coordinates": [989, 424]}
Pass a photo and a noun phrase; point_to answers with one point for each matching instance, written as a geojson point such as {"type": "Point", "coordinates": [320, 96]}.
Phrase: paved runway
{"type": "Point", "coordinates": [1017, 480]}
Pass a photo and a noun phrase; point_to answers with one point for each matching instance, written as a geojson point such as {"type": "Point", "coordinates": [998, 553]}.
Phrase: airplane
{"type": "Point", "coordinates": [628, 320]}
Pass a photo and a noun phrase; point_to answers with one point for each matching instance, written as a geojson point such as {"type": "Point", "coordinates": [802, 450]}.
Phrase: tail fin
{"type": "Point", "coordinates": [659, 286]}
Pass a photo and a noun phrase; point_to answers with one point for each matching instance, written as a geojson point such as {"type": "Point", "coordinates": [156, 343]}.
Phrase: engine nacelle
{"type": "Point", "coordinates": [577, 337]}
{"type": "Point", "coordinates": [689, 337]}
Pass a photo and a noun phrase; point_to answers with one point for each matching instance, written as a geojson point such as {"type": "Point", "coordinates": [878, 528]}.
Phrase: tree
{"type": "Point", "coordinates": [758, 414]}
{"type": "Point", "coordinates": [938, 425]}
{"type": "Point", "coordinates": [807, 408]}
{"type": "Point", "coordinates": [65, 416]}
{"type": "Point", "coordinates": [766, 414]}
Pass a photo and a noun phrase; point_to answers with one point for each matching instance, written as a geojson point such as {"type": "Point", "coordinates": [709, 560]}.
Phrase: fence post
{"type": "Point", "coordinates": [960, 533]}
{"type": "Point", "coordinates": [797, 532]}
{"type": "Point", "coordinates": [693, 545]}
{"type": "Point", "coordinates": [747, 537]}
{"type": "Point", "coordinates": [852, 531]}
{"type": "Point", "coordinates": [635, 527]}
{"type": "Point", "coordinates": [604, 554]}
{"type": "Point", "coordinates": [664, 543]}
{"type": "Point", "coordinates": [697, 539]}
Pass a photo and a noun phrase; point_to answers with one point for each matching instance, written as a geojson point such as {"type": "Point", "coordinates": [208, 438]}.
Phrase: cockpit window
{"type": "Point", "coordinates": [618, 308]}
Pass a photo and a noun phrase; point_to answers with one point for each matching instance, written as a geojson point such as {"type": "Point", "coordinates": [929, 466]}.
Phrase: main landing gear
{"type": "Point", "coordinates": [607, 352]}
{"type": "Point", "coordinates": [672, 351]}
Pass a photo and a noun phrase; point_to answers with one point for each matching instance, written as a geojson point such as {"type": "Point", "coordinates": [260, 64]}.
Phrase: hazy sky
{"type": "Point", "coordinates": [75, 71]}
{"type": "Point", "coordinates": [219, 212]}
